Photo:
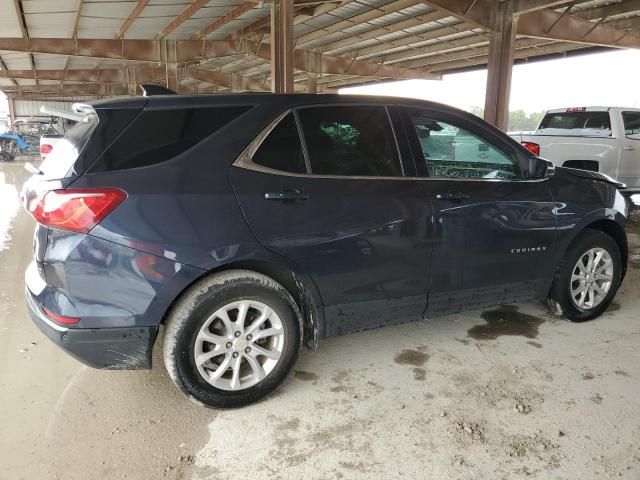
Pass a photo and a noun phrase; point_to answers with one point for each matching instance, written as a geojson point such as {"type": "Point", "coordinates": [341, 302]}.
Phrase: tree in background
{"type": "Point", "coordinates": [519, 120]}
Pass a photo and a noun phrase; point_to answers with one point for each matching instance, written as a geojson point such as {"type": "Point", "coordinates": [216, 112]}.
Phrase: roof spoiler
{"type": "Point", "coordinates": [149, 90]}
{"type": "Point", "coordinates": [57, 112]}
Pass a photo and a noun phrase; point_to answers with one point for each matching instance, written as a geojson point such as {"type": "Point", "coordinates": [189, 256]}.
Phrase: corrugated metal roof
{"type": "Point", "coordinates": [9, 23]}
{"type": "Point", "coordinates": [380, 36]}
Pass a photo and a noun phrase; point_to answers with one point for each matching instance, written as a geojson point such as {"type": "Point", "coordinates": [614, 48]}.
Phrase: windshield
{"type": "Point", "coordinates": [580, 124]}
{"type": "Point", "coordinates": [66, 151]}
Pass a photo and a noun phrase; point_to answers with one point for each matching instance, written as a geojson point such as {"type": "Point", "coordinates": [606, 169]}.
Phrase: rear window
{"type": "Point", "coordinates": [585, 124]}
{"type": "Point", "coordinates": [631, 125]}
{"type": "Point", "coordinates": [156, 136]}
{"type": "Point", "coordinates": [67, 150]}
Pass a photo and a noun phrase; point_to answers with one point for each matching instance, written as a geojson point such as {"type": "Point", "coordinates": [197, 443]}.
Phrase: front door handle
{"type": "Point", "coordinates": [284, 195]}
{"type": "Point", "coordinates": [452, 196]}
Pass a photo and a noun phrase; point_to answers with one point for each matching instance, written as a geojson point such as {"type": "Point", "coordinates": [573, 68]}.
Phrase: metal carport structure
{"type": "Point", "coordinates": [68, 48]}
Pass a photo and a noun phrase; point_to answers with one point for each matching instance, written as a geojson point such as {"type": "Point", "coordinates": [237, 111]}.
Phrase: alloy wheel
{"type": "Point", "coordinates": [239, 345]}
{"type": "Point", "coordinates": [591, 278]}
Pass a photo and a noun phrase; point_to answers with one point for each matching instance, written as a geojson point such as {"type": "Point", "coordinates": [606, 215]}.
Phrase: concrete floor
{"type": "Point", "coordinates": [506, 393]}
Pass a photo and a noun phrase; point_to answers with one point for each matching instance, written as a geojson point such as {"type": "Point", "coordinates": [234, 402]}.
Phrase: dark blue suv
{"type": "Point", "coordinates": [248, 225]}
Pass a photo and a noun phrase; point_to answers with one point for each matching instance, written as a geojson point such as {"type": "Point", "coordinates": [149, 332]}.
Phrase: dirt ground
{"type": "Point", "coordinates": [498, 394]}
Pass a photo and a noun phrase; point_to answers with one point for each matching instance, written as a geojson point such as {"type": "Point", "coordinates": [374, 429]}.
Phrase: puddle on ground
{"type": "Point", "coordinates": [506, 320]}
{"type": "Point", "coordinates": [419, 374]}
{"type": "Point", "coordinates": [534, 344]}
{"type": "Point", "coordinates": [306, 376]}
{"type": "Point", "coordinates": [411, 357]}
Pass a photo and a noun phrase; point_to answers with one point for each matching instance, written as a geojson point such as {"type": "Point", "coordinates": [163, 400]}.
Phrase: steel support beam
{"type": "Point", "coordinates": [282, 46]}
{"type": "Point", "coordinates": [131, 17]}
{"type": "Point", "coordinates": [571, 28]}
{"type": "Point", "coordinates": [186, 14]}
{"type": "Point", "coordinates": [139, 74]}
{"type": "Point", "coordinates": [609, 10]}
{"type": "Point", "coordinates": [434, 62]}
{"type": "Point", "coordinates": [195, 50]}
{"type": "Point", "coordinates": [501, 49]}
{"type": "Point", "coordinates": [525, 6]}
{"type": "Point", "coordinates": [232, 14]}
{"type": "Point", "coordinates": [551, 48]}
{"type": "Point", "coordinates": [364, 17]}
{"type": "Point", "coordinates": [376, 31]}
{"type": "Point", "coordinates": [71, 89]}
{"type": "Point", "coordinates": [12, 111]}
{"type": "Point", "coordinates": [171, 64]}
{"type": "Point", "coordinates": [544, 23]}
{"type": "Point", "coordinates": [234, 81]}
{"type": "Point", "coordinates": [315, 67]}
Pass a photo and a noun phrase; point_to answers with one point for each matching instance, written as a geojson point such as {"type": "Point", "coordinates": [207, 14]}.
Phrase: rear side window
{"type": "Point", "coordinates": [282, 150]}
{"type": "Point", "coordinates": [156, 136]}
{"type": "Point", "coordinates": [67, 150]}
{"type": "Point", "coordinates": [631, 125]}
{"type": "Point", "coordinates": [350, 141]}
{"type": "Point", "coordinates": [596, 124]}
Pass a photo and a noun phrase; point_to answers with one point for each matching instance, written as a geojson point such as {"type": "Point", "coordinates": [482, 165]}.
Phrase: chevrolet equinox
{"type": "Point", "coordinates": [248, 225]}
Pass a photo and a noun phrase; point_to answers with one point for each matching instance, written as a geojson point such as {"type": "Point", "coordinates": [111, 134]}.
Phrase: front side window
{"type": "Point", "coordinates": [631, 125]}
{"type": "Point", "coordinates": [350, 141]}
{"type": "Point", "coordinates": [451, 151]}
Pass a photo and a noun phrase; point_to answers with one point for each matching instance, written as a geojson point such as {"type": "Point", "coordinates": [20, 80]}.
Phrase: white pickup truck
{"type": "Point", "coordinates": [601, 139]}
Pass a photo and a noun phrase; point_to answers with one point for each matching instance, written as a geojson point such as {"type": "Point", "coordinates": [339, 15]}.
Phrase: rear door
{"type": "Point", "coordinates": [494, 230]}
{"type": "Point", "coordinates": [351, 220]}
{"type": "Point", "coordinates": [629, 172]}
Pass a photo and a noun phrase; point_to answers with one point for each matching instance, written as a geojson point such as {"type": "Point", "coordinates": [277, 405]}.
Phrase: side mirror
{"type": "Point", "coordinates": [540, 168]}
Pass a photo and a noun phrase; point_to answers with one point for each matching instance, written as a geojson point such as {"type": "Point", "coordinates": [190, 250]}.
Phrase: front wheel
{"type": "Point", "coordinates": [588, 278]}
{"type": "Point", "coordinates": [232, 339]}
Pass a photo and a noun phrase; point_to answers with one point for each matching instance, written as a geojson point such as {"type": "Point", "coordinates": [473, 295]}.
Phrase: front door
{"type": "Point", "coordinates": [351, 220]}
{"type": "Point", "coordinates": [494, 230]}
{"type": "Point", "coordinates": [629, 171]}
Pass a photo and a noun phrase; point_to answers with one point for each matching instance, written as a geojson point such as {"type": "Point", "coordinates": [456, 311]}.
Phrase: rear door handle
{"type": "Point", "coordinates": [286, 195]}
{"type": "Point", "coordinates": [628, 147]}
{"type": "Point", "coordinates": [452, 196]}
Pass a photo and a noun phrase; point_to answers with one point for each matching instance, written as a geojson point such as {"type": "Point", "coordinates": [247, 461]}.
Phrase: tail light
{"type": "Point", "coordinates": [75, 209]}
{"type": "Point", "coordinates": [45, 149]}
{"type": "Point", "coordinates": [60, 319]}
{"type": "Point", "coordinates": [532, 147]}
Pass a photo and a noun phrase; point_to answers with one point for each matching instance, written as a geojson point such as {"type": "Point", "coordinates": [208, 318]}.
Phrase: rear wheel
{"type": "Point", "coordinates": [232, 339]}
{"type": "Point", "coordinates": [588, 278]}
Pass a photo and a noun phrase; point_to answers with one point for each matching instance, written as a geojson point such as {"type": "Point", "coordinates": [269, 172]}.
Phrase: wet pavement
{"type": "Point", "coordinates": [505, 393]}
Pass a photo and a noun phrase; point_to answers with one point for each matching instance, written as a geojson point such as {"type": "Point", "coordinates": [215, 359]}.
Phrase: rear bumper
{"type": "Point", "coordinates": [127, 348]}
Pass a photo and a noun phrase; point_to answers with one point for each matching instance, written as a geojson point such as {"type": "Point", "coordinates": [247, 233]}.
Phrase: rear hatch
{"type": "Point", "coordinates": [69, 159]}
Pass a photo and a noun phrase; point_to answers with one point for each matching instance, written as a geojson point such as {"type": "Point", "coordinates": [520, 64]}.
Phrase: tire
{"type": "Point", "coordinates": [196, 326]}
{"type": "Point", "coordinates": [561, 302]}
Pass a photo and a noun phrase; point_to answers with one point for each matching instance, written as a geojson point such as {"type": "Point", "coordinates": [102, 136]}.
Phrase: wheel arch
{"type": "Point", "coordinates": [303, 291]}
{"type": "Point", "coordinates": [606, 225]}
{"type": "Point", "coordinates": [617, 232]}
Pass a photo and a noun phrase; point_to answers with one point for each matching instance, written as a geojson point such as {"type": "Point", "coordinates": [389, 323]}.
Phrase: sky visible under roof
{"type": "Point", "coordinates": [603, 79]}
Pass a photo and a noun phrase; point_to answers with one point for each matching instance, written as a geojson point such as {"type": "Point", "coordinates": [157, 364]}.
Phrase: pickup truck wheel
{"type": "Point", "coordinates": [232, 339]}
{"type": "Point", "coordinates": [588, 278]}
